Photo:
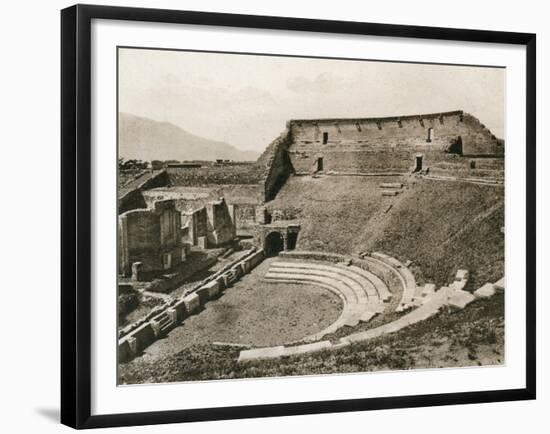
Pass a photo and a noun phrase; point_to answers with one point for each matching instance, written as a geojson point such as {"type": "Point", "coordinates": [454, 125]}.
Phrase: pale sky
{"type": "Point", "coordinates": [245, 100]}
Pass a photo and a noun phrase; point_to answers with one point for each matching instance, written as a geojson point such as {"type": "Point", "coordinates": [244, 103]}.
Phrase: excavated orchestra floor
{"type": "Point", "coordinates": [256, 313]}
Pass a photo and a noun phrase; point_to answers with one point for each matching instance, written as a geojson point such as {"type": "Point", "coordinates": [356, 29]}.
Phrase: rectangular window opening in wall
{"type": "Point", "coordinates": [319, 164]}
{"type": "Point", "coordinates": [430, 134]}
{"type": "Point", "coordinates": [325, 138]}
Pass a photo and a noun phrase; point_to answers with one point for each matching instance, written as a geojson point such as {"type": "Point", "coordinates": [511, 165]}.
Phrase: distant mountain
{"type": "Point", "coordinates": [145, 139]}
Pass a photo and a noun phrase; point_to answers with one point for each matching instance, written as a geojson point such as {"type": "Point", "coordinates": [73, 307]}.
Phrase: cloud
{"type": "Point", "coordinates": [246, 100]}
{"type": "Point", "coordinates": [323, 83]}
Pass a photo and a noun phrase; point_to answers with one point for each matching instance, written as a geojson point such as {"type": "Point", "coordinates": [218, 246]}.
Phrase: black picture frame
{"type": "Point", "coordinates": [76, 215]}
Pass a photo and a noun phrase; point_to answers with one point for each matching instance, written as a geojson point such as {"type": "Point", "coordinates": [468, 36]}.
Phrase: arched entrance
{"type": "Point", "coordinates": [273, 244]}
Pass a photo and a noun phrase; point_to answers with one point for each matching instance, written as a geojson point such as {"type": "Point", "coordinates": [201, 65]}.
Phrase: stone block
{"type": "Point", "coordinates": [124, 352]}
{"type": "Point", "coordinates": [429, 289]}
{"type": "Point", "coordinates": [499, 284]}
{"type": "Point", "coordinates": [367, 316]}
{"type": "Point", "coordinates": [132, 345]}
{"type": "Point", "coordinates": [256, 258]}
{"type": "Point", "coordinates": [144, 336]}
{"type": "Point", "coordinates": [204, 294]}
{"type": "Point", "coordinates": [213, 289]}
{"type": "Point", "coordinates": [462, 275]}
{"type": "Point", "coordinates": [192, 303]}
{"type": "Point", "coordinates": [418, 292]}
{"type": "Point", "coordinates": [307, 348]}
{"type": "Point", "coordinates": [391, 185]}
{"type": "Point", "coordinates": [137, 271]}
{"type": "Point", "coordinates": [180, 308]}
{"type": "Point", "coordinates": [237, 271]}
{"type": "Point", "coordinates": [202, 242]}
{"type": "Point", "coordinates": [245, 267]}
{"type": "Point", "coordinates": [458, 285]}
{"type": "Point", "coordinates": [227, 279]}
{"type": "Point", "coordinates": [460, 299]}
{"type": "Point", "coordinates": [390, 193]}
{"type": "Point", "coordinates": [173, 315]}
{"type": "Point", "coordinates": [155, 325]}
{"type": "Point", "coordinates": [485, 291]}
{"type": "Point", "coordinates": [261, 353]}
{"type": "Point", "coordinates": [395, 326]}
{"type": "Point", "coordinates": [221, 283]}
{"type": "Point", "coordinates": [342, 343]}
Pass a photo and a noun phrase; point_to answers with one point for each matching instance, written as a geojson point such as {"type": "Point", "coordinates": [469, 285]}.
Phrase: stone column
{"type": "Point", "coordinates": [285, 240]}
{"type": "Point", "coordinates": [123, 245]}
{"type": "Point", "coordinates": [136, 271]}
{"type": "Point", "coordinates": [232, 216]}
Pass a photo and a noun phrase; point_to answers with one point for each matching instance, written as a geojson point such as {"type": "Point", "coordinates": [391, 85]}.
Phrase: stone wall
{"type": "Point", "coordinates": [136, 337]}
{"type": "Point", "coordinates": [194, 225]}
{"type": "Point", "coordinates": [386, 144]}
{"type": "Point", "coordinates": [130, 195]}
{"type": "Point", "coordinates": [151, 236]}
{"type": "Point", "coordinates": [243, 199]}
{"type": "Point", "coordinates": [277, 163]}
{"type": "Point", "coordinates": [220, 223]}
{"type": "Point", "coordinates": [214, 221]}
{"type": "Point", "coordinates": [215, 174]}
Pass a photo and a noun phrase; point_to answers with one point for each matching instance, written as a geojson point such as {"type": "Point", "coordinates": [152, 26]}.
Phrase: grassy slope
{"type": "Point", "coordinates": [440, 226]}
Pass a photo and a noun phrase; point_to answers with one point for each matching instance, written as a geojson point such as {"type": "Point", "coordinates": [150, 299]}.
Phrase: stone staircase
{"type": "Point", "coordinates": [391, 188]}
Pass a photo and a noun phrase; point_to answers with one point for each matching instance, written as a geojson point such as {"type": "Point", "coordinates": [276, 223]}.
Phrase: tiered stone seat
{"type": "Point", "coordinates": [432, 302]}
{"type": "Point", "coordinates": [361, 292]}
{"type": "Point", "coordinates": [372, 284]}
{"type": "Point", "coordinates": [381, 287]}
{"type": "Point", "coordinates": [361, 297]}
{"type": "Point", "coordinates": [405, 275]}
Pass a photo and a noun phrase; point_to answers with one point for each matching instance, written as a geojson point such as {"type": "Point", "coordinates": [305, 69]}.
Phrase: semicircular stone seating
{"type": "Point", "coordinates": [405, 275]}
{"type": "Point", "coordinates": [363, 294]}
{"type": "Point", "coordinates": [339, 277]}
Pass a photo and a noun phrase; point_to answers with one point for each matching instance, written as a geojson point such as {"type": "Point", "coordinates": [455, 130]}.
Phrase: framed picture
{"type": "Point", "coordinates": [267, 216]}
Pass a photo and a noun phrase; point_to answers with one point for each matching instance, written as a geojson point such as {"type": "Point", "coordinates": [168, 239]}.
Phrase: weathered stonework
{"type": "Point", "coordinates": [162, 319]}
{"type": "Point", "coordinates": [150, 236]}
{"type": "Point", "coordinates": [386, 144]}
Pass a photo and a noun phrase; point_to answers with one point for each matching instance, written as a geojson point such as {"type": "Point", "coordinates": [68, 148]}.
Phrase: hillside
{"type": "Point", "coordinates": [440, 226]}
{"type": "Point", "coordinates": [145, 139]}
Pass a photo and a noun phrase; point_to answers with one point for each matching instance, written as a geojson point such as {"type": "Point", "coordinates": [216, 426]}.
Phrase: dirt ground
{"type": "Point", "coordinates": [255, 313]}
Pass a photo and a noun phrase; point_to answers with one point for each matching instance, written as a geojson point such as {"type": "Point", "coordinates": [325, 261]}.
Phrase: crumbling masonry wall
{"type": "Point", "coordinates": [151, 236]}
{"type": "Point", "coordinates": [213, 222]}
{"type": "Point", "coordinates": [241, 200]}
{"type": "Point", "coordinates": [278, 166]}
{"type": "Point", "coordinates": [221, 226]}
{"type": "Point", "coordinates": [386, 144]}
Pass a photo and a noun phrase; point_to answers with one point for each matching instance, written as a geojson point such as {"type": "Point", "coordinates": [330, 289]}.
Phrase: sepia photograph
{"type": "Point", "coordinates": [290, 216]}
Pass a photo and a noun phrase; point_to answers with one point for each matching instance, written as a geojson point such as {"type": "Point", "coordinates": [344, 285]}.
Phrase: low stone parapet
{"type": "Point", "coordinates": [282, 351]}
{"type": "Point", "coordinates": [171, 314]}
{"type": "Point", "coordinates": [487, 290]}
